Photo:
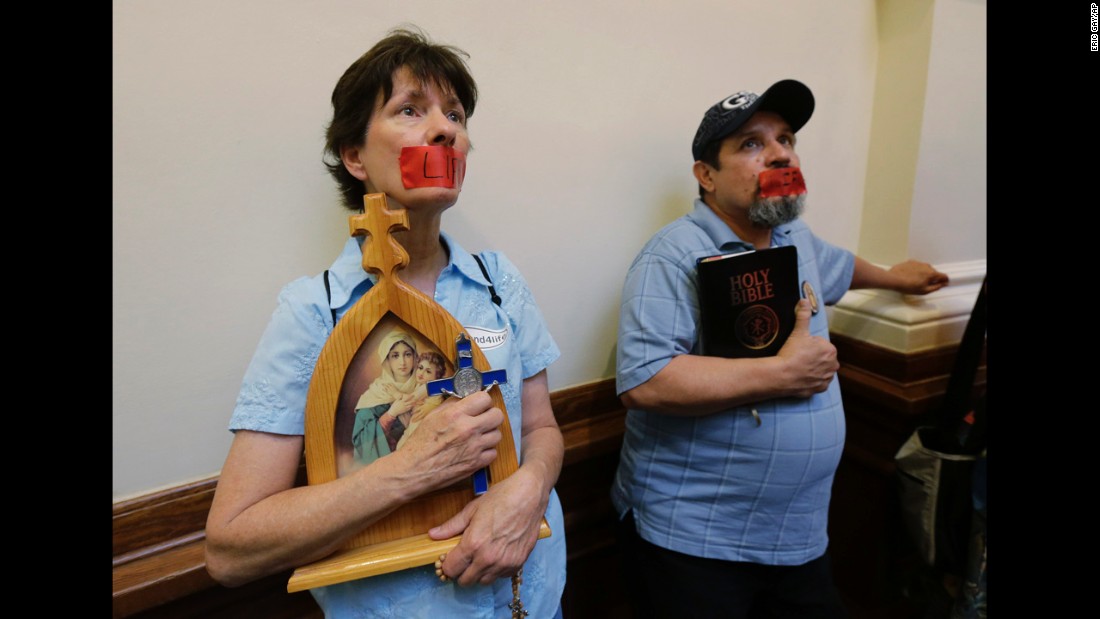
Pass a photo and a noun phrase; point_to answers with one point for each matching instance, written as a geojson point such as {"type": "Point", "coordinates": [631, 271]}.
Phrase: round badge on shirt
{"type": "Point", "coordinates": [808, 292]}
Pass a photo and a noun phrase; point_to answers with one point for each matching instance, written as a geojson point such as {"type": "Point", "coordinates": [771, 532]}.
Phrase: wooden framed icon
{"type": "Point", "coordinates": [367, 396]}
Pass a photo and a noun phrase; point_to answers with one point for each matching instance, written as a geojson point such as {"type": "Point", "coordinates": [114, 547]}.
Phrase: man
{"type": "Point", "coordinates": [727, 464]}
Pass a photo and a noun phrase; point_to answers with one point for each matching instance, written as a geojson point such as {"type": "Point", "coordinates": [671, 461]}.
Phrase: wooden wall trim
{"type": "Point", "coordinates": [891, 392]}
{"type": "Point", "coordinates": [158, 521]}
{"type": "Point", "coordinates": [158, 540]}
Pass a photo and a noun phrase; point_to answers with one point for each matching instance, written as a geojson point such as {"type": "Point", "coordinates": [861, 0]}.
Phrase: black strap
{"type": "Point", "coordinates": [328, 295]}
{"type": "Point", "coordinates": [958, 400]}
{"type": "Point", "coordinates": [492, 291]}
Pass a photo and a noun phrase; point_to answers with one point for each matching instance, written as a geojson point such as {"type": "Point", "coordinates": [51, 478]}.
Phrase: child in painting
{"type": "Point", "coordinates": [431, 366]}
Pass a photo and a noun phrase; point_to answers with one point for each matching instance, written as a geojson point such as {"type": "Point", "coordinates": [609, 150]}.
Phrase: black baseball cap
{"type": "Point", "coordinates": [791, 99]}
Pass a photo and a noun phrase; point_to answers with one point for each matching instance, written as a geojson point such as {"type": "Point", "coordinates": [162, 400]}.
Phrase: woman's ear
{"type": "Point", "coordinates": [350, 156]}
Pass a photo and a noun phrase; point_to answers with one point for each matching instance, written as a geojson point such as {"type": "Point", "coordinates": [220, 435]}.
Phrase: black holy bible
{"type": "Point", "coordinates": [747, 301]}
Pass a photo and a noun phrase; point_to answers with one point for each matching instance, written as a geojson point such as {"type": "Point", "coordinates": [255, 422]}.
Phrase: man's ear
{"type": "Point", "coordinates": [703, 174]}
{"type": "Point", "coordinates": [350, 156]}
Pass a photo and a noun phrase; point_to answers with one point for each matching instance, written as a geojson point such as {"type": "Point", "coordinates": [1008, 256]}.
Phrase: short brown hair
{"type": "Point", "coordinates": [358, 89]}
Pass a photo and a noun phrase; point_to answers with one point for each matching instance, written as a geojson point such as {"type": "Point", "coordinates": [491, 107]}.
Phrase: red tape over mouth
{"type": "Point", "coordinates": [432, 166]}
{"type": "Point", "coordinates": [781, 182]}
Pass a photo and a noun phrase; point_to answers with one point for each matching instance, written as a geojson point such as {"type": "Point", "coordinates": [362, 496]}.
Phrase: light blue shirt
{"type": "Point", "coordinates": [718, 486]}
{"type": "Point", "coordinates": [513, 336]}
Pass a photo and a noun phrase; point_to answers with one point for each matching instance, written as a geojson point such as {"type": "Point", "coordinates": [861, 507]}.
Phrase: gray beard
{"type": "Point", "coordinates": [772, 212]}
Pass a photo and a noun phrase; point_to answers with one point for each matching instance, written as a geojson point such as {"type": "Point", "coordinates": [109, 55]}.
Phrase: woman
{"type": "Point", "coordinates": [406, 95]}
{"type": "Point", "coordinates": [374, 433]}
{"type": "Point", "coordinates": [397, 357]}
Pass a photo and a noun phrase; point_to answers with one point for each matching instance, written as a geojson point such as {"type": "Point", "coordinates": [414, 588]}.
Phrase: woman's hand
{"type": "Point", "coordinates": [499, 530]}
{"type": "Point", "coordinates": [458, 438]}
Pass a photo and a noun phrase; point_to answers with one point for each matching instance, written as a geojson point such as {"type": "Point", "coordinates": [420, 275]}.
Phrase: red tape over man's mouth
{"type": "Point", "coordinates": [781, 182]}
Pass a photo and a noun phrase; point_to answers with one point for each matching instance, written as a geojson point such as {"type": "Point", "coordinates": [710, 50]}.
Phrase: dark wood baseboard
{"type": "Point", "coordinates": [158, 539]}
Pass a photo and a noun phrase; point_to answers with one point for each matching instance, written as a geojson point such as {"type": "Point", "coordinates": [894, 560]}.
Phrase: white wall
{"type": "Point", "coordinates": [582, 150]}
{"type": "Point", "coordinates": [951, 169]}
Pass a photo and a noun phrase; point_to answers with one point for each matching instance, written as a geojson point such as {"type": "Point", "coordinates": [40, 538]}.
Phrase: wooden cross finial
{"type": "Point", "coordinates": [378, 222]}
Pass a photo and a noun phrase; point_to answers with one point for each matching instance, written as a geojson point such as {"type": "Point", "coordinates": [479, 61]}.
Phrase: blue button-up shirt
{"type": "Point", "coordinates": [718, 486]}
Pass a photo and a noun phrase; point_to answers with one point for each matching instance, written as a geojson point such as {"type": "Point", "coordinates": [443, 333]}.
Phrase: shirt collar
{"type": "Point", "coordinates": [723, 237]}
{"type": "Point", "coordinates": [347, 274]}
{"type": "Point", "coordinates": [463, 261]}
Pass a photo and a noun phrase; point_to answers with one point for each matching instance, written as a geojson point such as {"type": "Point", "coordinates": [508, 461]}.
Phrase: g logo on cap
{"type": "Point", "coordinates": [738, 100]}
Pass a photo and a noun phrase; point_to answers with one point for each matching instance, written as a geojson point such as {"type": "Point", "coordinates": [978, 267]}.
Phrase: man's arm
{"type": "Point", "coordinates": [499, 529]}
{"type": "Point", "coordinates": [909, 277]}
{"type": "Point", "coordinates": [260, 524]}
{"type": "Point", "coordinates": [694, 385]}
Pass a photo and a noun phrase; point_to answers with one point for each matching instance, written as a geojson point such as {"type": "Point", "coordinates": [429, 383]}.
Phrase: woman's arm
{"type": "Point", "coordinates": [260, 523]}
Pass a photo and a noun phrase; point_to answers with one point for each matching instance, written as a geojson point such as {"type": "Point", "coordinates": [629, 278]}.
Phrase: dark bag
{"type": "Point", "coordinates": [936, 499]}
{"type": "Point", "coordinates": [935, 466]}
